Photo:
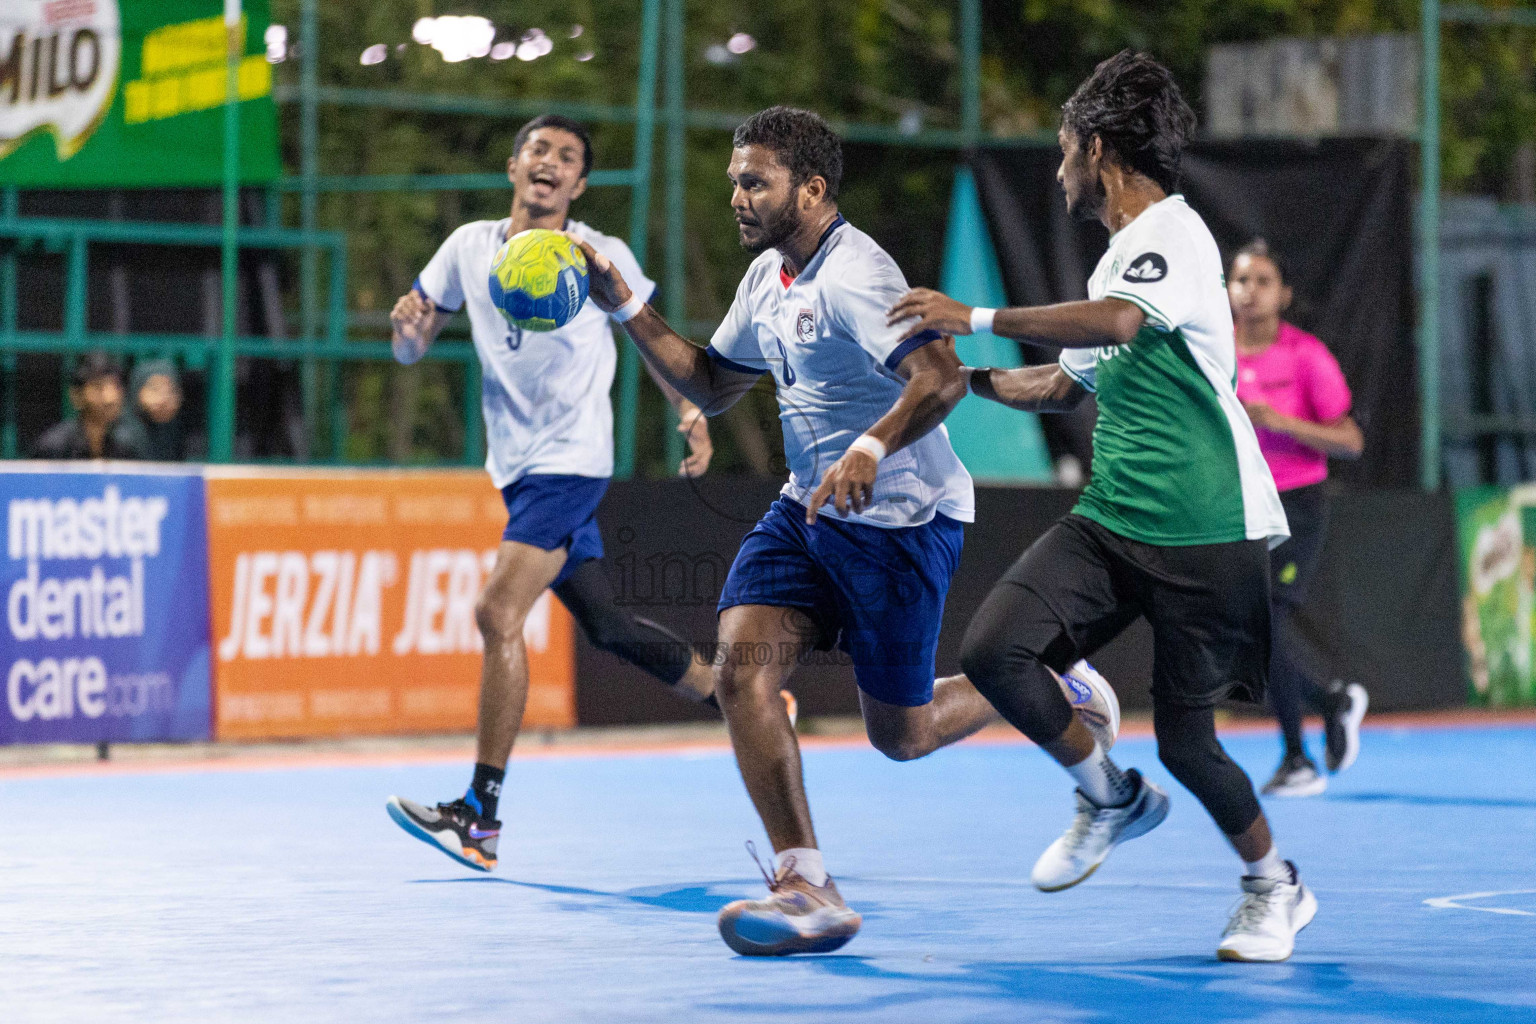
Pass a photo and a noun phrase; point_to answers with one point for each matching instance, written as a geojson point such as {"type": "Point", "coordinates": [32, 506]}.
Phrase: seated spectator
{"type": "Point", "coordinates": [97, 431]}
{"type": "Point", "coordinates": [154, 410]}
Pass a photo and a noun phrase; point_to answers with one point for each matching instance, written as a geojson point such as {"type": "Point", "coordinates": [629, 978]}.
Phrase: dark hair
{"type": "Point", "coordinates": [565, 124]}
{"type": "Point", "coordinates": [1133, 104]}
{"type": "Point", "coordinates": [1261, 248]}
{"type": "Point", "coordinates": [802, 141]}
{"type": "Point", "coordinates": [93, 366]}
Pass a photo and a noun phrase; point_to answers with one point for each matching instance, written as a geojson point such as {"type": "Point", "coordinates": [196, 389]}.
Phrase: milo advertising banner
{"type": "Point", "coordinates": [111, 93]}
{"type": "Point", "coordinates": [1496, 527]}
{"type": "Point", "coordinates": [105, 579]}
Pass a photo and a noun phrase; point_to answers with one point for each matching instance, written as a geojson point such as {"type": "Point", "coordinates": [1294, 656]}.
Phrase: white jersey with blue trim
{"type": "Point", "coordinates": [824, 338]}
{"type": "Point", "coordinates": [544, 393]}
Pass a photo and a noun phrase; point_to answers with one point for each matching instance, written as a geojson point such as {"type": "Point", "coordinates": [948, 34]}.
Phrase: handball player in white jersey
{"type": "Point", "coordinates": [549, 427]}
{"type": "Point", "coordinates": [859, 548]}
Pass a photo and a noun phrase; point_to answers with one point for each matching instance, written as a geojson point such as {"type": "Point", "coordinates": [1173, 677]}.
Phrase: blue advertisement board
{"type": "Point", "coordinates": [105, 578]}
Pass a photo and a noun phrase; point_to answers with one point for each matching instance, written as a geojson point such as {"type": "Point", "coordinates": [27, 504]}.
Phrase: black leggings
{"type": "Point", "coordinates": [588, 595]}
{"type": "Point", "coordinates": [1014, 677]}
{"type": "Point", "coordinates": [1292, 687]}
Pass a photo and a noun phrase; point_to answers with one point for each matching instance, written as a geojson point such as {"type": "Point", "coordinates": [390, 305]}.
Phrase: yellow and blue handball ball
{"type": "Point", "coordinates": [539, 279]}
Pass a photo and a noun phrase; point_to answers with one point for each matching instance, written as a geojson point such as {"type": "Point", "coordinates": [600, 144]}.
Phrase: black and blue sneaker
{"type": "Point", "coordinates": [455, 828]}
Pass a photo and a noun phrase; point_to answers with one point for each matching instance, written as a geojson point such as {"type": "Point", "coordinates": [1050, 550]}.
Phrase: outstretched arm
{"type": "Point", "coordinates": [672, 359]}
{"type": "Point", "coordinates": [935, 383]}
{"type": "Point", "coordinates": [1028, 388]}
{"type": "Point", "coordinates": [414, 325]}
{"type": "Point", "coordinates": [1093, 323]}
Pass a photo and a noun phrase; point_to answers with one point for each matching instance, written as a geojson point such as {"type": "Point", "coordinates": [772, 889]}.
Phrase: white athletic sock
{"type": "Point", "coordinates": [807, 864]}
{"type": "Point", "coordinates": [1101, 780]}
{"type": "Point", "coordinates": [1269, 866]}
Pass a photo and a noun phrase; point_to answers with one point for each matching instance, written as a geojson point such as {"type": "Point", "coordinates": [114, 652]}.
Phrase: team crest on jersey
{"type": "Point", "coordinates": [805, 327]}
{"type": "Point", "coordinates": [1146, 268]}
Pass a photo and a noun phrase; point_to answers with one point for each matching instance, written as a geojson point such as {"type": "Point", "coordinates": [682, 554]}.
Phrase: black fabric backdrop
{"type": "Point", "coordinates": [1339, 210]}
{"type": "Point", "coordinates": [1383, 609]}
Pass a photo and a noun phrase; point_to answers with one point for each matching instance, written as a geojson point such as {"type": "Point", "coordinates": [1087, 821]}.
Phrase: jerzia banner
{"type": "Point", "coordinates": [106, 599]}
{"type": "Point", "coordinates": [344, 603]}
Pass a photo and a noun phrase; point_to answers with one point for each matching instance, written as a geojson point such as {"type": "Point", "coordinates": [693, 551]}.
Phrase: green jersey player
{"type": "Point", "coordinates": [1177, 519]}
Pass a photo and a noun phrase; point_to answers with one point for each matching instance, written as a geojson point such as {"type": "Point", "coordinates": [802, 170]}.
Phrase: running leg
{"type": "Point", "coordinates": [467, 829]}
{"type": "Point", "coordinates": [901, 733]}
{"type": "Point", "coordinates": [648, 645]}
{"type": "Point", "coordinates": [803, 913]}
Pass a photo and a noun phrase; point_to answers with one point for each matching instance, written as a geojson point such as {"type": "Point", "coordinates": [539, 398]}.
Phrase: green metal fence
{"type": "Point", "coordinates": [661, 23]}
{"type": "Point", "coordinates": [327, 345]}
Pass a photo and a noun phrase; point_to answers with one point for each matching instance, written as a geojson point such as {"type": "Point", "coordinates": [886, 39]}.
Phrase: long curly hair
{"type": "Point", "coordinates": [1133, 104]}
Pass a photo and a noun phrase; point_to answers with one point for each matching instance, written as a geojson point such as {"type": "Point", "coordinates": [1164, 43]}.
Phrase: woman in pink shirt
{"type": "Point", "coordinates": [1299, 403]}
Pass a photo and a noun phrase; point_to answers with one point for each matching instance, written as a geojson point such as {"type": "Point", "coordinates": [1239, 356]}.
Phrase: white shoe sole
{"type": "Point", "coordinates": [1304, 915]}
{"type": "Point", "coordinates": [1313, 788]}
{"type": "Point", "coordinates": [445, 841]}
{"type": "Point", "coordinates": [1140, 827]}
{"type": "Point", "coordinates": [1359, 700]}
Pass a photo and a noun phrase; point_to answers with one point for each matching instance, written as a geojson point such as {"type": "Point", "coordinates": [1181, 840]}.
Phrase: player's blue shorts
{"type": "Point", "coordinates": [877, 593]}
{"type": "Point", "coordinates": [551, 511]}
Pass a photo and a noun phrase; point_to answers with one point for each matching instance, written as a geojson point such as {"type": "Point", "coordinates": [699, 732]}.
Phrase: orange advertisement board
{"type": "Point", "coordinates": [344, 604]}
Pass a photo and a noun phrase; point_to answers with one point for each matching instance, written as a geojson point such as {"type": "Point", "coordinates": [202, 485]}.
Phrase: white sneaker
{"type": "Point", "coordinates": [1343, 725]}
{"type": "Point", "coordinates": [1264, 924]}
{"type": "Point", "coordinates": [1296, 776]}
{"type": "Point", "coordinates": [1094, 832]}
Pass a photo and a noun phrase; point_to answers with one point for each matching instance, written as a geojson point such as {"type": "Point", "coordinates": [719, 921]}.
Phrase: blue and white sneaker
{"type": "Point", "coordinates": [455, 828]}
{"type": "Point", "coordinates": [1093, 700]}
{"type": "Point", "coordinates": [1094, 832]}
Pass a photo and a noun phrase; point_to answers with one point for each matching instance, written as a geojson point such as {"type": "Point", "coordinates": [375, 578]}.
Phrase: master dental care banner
{"type": "Point", "coordinates": [106, 600]}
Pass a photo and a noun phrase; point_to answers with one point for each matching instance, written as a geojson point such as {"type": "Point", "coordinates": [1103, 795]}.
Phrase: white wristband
{"type": "Point", "coordinates": [870, 445]}
{"type": "Point", "coordinates": [629, 310]}
{"type": "Point", "coordinates": [981, 320]}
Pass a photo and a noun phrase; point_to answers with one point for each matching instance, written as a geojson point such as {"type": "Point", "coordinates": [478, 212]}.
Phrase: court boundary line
{"type": "Point", "coordinates": [1454, 902]}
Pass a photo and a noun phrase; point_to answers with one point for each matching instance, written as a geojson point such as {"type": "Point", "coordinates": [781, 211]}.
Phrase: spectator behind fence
{"type": "Point", "coordinates": [153, 417]}
{"type": "Point", "coordinates": [97, 431]}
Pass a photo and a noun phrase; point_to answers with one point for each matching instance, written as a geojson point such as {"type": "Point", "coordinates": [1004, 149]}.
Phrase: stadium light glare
{"type": "Point", "coordinates": [276, 38]}
{"type": "Point", "coordinates": [585, 55]}
{"type": "Point", "coordinates": [717, 54]}
{"type": "Point", "coordinates": [456, 37]}
{"type": "Point", "coordinates": [576, 31]}
{"type": "Point", "coordinates": [375, 54]}
{"type": "Point", "coordinates": [534, 44]}
{"type": "Point", "coordinates": [503, 50]}
{"type": "Point", "coordinates": [741, 43]}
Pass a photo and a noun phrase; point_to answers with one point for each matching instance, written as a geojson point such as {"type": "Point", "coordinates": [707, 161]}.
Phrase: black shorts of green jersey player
{"type": "Point", "coordinates": [1177, 518]}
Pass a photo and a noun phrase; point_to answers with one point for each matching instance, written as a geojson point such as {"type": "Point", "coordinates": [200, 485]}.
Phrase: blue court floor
{"type": "Point", "coordinates": [287, 895]}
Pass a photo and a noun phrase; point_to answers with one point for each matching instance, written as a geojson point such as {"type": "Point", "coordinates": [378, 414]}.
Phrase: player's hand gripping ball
{"type": "Point", "coordinates": [1093, 700]}
{"type": "Point", "coordinates": [539, 280]}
